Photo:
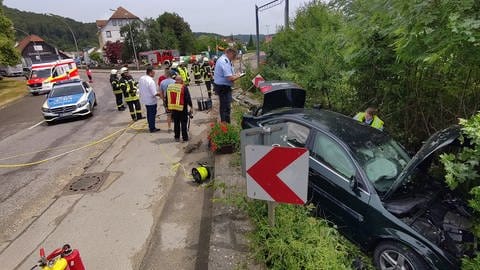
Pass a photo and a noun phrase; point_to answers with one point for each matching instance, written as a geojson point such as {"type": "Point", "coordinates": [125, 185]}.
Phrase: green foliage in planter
{"type": "Point", "coordinates": [223, 134]}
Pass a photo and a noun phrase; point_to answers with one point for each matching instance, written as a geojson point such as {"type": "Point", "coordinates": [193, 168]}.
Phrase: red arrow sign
{"type": "Point", "coordinates": [257, 80]}
{"type": "Point", "coordinates": [266, 171]}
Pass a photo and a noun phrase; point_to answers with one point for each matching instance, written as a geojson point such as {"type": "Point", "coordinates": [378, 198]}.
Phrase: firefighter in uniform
{"type": "Point", "coordinates": [178, 101]}
{"type": "Point", "coordinates": [196, 70]}
{"type": "Point", "coordinates": [129, 89]}
{"type": "Point", "coordinates": [207, 75]}
{"type": "Point", "coordinates": [116, 90]}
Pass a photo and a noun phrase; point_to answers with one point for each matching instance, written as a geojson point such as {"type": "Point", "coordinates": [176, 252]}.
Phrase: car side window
{"type": "Point", "coordinates": [330, 153]}
{"type": "Point", "coordinates": [86, 86]}
{"type": "Point", "coordinates": [297, 134]}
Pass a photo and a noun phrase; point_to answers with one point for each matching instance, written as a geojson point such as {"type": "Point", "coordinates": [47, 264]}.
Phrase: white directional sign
{"type": "Point", "coordinates": [278, 174]}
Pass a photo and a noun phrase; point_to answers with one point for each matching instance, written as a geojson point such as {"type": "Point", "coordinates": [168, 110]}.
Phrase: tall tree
{"type": "Point", "coordinates": [170, 31]}
{"type": "Point", "coordinates": [134, 36]}
{"type": "Point", "coordinates": [250, 44]}
{"type": "Point", "coordinates": [9, 56]}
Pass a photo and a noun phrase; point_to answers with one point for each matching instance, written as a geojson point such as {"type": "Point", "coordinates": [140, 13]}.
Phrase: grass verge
{"type": "Point", "coordinates": [10, 90]}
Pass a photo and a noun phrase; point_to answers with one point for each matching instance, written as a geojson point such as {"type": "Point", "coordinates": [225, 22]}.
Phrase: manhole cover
{"type": "Point", "coordinates": [87, 182]}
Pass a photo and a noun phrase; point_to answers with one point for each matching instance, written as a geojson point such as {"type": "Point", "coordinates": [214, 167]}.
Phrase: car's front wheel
{"type": "Point", "coordinates": [393, 255]}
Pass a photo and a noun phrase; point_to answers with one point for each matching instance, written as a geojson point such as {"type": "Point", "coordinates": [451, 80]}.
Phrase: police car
{"type": "Point", "coordinates": [70, 98]}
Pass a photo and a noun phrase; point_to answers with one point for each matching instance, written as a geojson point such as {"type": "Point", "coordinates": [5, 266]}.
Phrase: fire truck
{"type": "Point", "coordinates": [44, 75]}
{"type": "Point", "coordinates": [159, 57]}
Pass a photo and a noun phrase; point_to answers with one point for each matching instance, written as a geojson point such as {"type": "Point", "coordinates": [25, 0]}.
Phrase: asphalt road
{"type": "Point", "coordinates": [147, 213]}
{"type": "Point", "coordinates": [26, 138]}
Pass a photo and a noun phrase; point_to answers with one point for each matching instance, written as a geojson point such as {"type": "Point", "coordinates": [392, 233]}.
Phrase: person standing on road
{"type": "Point", "coordinates": [163, 94]}
{"type": "Point", "coordinates": [116, 89]}
{"type": "Point", "coordinates": [178, 101]}
{"type": "Point", "coordinates": [163, 76]}
{"type": "Point", "coordinates": [148, 96]}
{"type": "Point", "coordinates": [89, 75]}
{"type": "Point", "coordinates": [224, 77]}
{"type": "Point", "coordinates": [129, 89]}
{"type": "Point", "coordinates": [207, 76]}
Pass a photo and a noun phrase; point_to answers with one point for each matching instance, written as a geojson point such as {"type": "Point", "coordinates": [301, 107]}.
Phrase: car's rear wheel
{"type": "Point", "coordinates": [393, 255]}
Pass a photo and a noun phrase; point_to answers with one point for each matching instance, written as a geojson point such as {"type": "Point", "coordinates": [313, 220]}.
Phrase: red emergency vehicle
{"type": "Point", "coordinates": [44, 75]}
{"type": "Point", "coordinates": [159, 57]}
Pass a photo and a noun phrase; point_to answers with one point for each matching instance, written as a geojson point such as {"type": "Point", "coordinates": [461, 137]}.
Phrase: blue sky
{"type": "Point", "coordinates": [218, 16]}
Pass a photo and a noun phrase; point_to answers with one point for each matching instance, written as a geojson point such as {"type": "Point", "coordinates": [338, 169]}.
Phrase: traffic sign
{"type": "Point", "coordinates": [278, 174]}
{"type": "Point", "coordinates": [257, 80]}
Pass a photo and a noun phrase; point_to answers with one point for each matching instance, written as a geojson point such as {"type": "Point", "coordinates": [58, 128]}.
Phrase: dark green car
{"type": "Point", "coordinates": [386, 201]}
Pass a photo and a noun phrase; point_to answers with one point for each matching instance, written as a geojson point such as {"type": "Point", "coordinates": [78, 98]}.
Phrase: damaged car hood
{"type": "Point", "coordinates": [437, 141]}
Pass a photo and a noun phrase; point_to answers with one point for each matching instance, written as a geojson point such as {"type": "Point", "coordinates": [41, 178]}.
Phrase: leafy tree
{"type": "Point", "coordinates": [113, 51]}
{"type": "Point", "coordinates": [462, 173]}
{"type": "Point", "coordinates": [96, 57]}
{"type": "Point", "coordinates": [170, 31]}
{"type": "Point", "coordinates": [9, 56]}
{"type": "Point", "coordinates": [250, 45]}
{"type": "Point", "coordinates": [133, 31]}
{"type": "Point", "coordinates": [52, 30]}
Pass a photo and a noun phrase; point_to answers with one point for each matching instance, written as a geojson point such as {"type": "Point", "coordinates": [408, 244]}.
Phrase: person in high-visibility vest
{"type": "Point", "coordinates": [116, 89]}
{"type": "Point", "coordinates": [178, 101]}
{"type": "Point", "coordinates": [207, 75]}
{"type": "Point", "coordinates": [183, 70]}
{"type": "Point", "coordinates": [370, 118]}
{"type": "Point", "coordinates": [129, 89]}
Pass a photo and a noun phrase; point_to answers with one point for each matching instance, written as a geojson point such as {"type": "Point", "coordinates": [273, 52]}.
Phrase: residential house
{"type": "Point", "coordinates": [34, 49]}
{"type": "Point", "coordinates": [109, 30]}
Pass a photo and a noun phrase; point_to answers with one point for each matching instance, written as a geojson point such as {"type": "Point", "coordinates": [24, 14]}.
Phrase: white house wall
{"type": "Point", "coordinates": [114, 26]}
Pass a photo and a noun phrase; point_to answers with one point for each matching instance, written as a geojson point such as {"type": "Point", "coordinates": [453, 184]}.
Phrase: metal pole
{"type": "Point", "coordinates": [133, 44]}
{"type": "Point", "coordinates": [258, 36]}
{"type": "Point", "coordinates": [286, 14]}
{"type": "Point", "coordinates": [73, 35]}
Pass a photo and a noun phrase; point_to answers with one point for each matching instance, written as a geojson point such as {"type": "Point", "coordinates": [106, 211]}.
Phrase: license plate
{"type": "Point", "coordinates": [64, 114]}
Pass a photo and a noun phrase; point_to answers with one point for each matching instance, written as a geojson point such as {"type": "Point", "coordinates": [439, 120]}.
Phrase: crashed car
{"type": "Point", "coordinates": [389, 203]}
{"type": "Point", "coordinates": [67, 99]}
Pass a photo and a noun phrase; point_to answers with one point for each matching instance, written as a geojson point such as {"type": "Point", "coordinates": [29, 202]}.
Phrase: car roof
{"type": "Point", "coordinates": [71, 81]}
{"type": "Point", "coordinates": [347, 129]}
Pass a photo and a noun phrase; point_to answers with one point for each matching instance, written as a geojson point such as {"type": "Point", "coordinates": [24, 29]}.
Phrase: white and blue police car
{"type": "Point", "coordinates": [67, 99]}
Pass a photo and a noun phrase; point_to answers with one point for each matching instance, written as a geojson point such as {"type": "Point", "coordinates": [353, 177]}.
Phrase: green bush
{"type": "Point", "coordinates": [298, 240]}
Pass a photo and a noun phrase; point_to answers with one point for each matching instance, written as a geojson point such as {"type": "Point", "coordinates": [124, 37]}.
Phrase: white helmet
{"type": "Point", "coordinates": [205, 59]}
{"type": "Point", "coordinates": [123, 70]}
{"type": "Point", "coordinates": [174, 65]}
{"type": "Point", "coordinates": [114, 72]}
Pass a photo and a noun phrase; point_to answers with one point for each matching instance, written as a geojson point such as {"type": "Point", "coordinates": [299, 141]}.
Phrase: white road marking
{"type": "Point", "coordinates": [37, 124]}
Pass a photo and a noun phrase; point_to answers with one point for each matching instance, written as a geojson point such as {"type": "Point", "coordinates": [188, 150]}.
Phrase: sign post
{"type": "Point", "coordinates": [276, 174]}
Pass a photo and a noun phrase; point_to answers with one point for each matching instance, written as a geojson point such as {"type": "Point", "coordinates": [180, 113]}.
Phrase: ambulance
{"type": "Point", "coordinates": [44, 75]}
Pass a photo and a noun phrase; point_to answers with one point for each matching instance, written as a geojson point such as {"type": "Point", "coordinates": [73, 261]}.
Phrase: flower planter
{"type": "Point", "coordinates": [225, 149]}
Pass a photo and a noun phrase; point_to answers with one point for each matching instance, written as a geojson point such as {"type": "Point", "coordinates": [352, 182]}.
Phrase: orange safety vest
{"type": "Point", "coordinates": [175, 97]}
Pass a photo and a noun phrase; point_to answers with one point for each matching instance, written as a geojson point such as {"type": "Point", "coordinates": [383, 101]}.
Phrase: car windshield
{"type": "Point", "coordinates": [382, 161]}
{"type": "Point", "coordinates": [67, 90]}
{"type": "Point", "coordinates": [41, 73]}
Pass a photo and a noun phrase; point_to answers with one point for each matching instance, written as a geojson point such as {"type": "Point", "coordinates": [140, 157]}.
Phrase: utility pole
{"type": "Point", "coordinates": [262, 8]}
{"type": "Point", "coordinates": [73, 35]}
{"type": "Point", "coordinates": [286, 14]}
{"type": "Point", "coordinates": [133, 44]}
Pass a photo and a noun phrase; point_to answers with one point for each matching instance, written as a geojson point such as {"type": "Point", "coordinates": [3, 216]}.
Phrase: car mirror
{"type": "Point", "coordinates": [353, 183]}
